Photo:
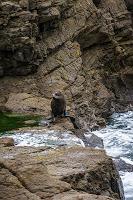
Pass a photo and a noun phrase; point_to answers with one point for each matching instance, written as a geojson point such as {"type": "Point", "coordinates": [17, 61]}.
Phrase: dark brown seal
{"type": "Point", "coordinates": [58, 104]}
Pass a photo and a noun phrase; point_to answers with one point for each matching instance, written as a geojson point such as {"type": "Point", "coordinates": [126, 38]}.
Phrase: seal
{"type": "Point", "coordinates": [58, 105]}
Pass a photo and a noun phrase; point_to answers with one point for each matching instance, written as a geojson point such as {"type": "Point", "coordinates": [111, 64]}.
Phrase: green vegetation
{"type": "Point", "coordinates": [10, 121]}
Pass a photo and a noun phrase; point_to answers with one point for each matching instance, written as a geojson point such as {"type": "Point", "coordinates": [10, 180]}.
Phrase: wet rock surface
{"type": "Point", "coordinates": [88, 138]}
{"type": "Point", "coordinates": [123, 166]}
{"type": "Point", "coordinates": [41, 173]}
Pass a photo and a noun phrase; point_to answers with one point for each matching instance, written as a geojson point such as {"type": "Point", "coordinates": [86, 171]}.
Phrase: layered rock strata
{"type": "Point", "coordinates": [82, 47]}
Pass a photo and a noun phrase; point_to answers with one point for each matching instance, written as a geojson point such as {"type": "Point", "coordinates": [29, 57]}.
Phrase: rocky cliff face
{"type": "Point", "coordinates": [81, 47]}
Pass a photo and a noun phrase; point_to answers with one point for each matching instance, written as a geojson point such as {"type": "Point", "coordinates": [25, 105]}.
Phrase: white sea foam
{"type": "Point", "coordinates": [118, 142]}
{"type": "Point", "coordinates": [128, 161]}
{"type": "Point", "coordinates": [127, 179]}
{"type": "Point", "coordinates": [47, 138]}
{"type": "Point", "coordinates": [118, 135]}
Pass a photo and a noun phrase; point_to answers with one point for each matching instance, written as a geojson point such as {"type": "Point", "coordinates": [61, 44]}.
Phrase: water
{"type": "Point", "coordinates": [117, 137]}
{"type": "Point", "coordinates": [118, 142]}
{"type": "Point", "coordinates": [47, 138]}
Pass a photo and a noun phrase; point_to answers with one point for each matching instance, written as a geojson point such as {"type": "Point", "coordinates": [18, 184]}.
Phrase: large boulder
{"type": "Point", "coordinates": [39, 173]}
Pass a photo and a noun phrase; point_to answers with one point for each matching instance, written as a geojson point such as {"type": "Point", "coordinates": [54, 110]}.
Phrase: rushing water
{"type": "Point", "coordinates": [117, 137]}
{"type": "Point", "coordinates": [118, 142]}
{"type": "Point", "coordinates": [44, 137]}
